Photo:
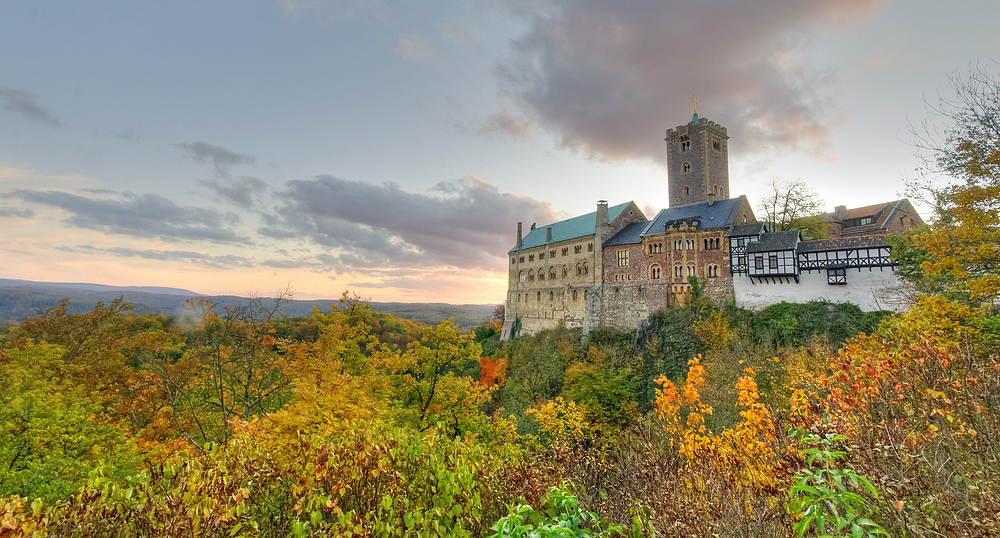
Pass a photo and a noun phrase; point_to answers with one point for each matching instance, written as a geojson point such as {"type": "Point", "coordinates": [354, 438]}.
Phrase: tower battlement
{"type": "Point", "coordinates": [688, 128]}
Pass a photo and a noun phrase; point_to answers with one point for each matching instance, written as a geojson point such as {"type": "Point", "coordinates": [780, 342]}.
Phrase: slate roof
{"type": "Point", "coordinates": [708, 217]}
{"type": "Point", "coordinates": [565, 230]}
{"type": "Point", "coordinates": [887, 211]}
{"type": "Point", "coordinates": [775, 241]}
{"type": "Point", "coordinates": [746, 230]}
{"type": "Point", "coordinates": [843, 243]}
{"type": "Point", "coordinates": [629, 235]}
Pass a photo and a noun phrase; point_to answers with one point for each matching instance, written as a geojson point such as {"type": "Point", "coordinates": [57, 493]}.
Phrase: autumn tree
{"type": "Point", "coordinates": [965, 232]}
{"type": "Point", "coordinates": [230, 370]}
{"type": "Point", "coordinates": [792, 205]}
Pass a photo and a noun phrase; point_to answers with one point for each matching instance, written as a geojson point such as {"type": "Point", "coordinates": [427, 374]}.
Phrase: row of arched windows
{"type": "Point", "coordinates": [582, 269]}
{"type": "Point", "coordinates": [552, 296]}
{"type": "Point", "coordinates": [680, 271]}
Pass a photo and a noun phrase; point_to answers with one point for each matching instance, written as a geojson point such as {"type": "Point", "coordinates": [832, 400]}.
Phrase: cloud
{"type": "Point", "coordinates": [413, 47]}
{"type": "Point", "coordinates": [465, 223]}
{"type": "Point", "coordinates": [26, 104]}
{"type": "Point", "coordinates": [220, 157]}
{"type": "Point", "coordinates": [506, 123]}
{"type": "Point", "coordinates": [240, 191]}
{"type": "Point", "coordinates": [460, 31]}
{"type": "Point", "coordinates": [210, 260]}
{"type": "Point", "coordinates": [607, 78]}
{"type": "Point", "coordinates": [16, 212]}
{"type": "Point", "coordinates": [139, 215]}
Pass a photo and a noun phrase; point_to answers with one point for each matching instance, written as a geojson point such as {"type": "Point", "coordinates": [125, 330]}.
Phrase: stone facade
{"type": "Point", "coordinates": [553, 270]}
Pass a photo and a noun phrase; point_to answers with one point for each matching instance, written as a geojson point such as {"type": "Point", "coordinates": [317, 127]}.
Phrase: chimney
{"type": "Point", "coordinates": [519, 237]}
{"type": "Point", "coordinates": [711, 198]}
{"type": "Point", "coordinates": [548, 234]}
{"type": "Point", "coordinates": [601, 227]}
{"type": "Point", "coordinates": [840, 212]}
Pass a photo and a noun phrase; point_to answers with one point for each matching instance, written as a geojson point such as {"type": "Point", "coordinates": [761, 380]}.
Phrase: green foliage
{"type": "Point", "coordinates": [51, 430]}
{"type": "Point", "coordinates": [827, 496]}
{"type": "Point", "coordinates": [559, 516]}
{"type": "Point", "coordinates": [536, 370]}
{"type": "Point", "coordinates": [796, 324]}
{"type": "Point", "coordinates": [666, 346]}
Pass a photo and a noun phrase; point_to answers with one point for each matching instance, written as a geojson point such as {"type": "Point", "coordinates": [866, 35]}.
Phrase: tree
{"type": "Point", "coordinates": [792, 205]}
{"type": "Point", "coordinates": [965, 232]}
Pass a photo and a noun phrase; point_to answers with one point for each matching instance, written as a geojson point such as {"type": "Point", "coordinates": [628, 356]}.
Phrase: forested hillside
{"type": "Point", "coordinates": [353, 422]}
{"type": "Point", "coordinates": [20, 299]}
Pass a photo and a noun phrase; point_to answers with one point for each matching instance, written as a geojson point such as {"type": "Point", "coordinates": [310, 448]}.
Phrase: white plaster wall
{"type": "Point", "coordinates": [869, 288]}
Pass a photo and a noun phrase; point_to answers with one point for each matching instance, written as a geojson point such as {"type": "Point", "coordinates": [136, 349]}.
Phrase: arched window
{"type": "Point", "coordinates": [574, 295]}
{"type": "Point", "coordinates": [531, 276]}
{"type": "Point", "coordinates": [678, 271]}
{"type": "Point", "coordinates": [579, 270]}
{"type": "Point", "coordinates": [521, 277]}
{"type": "Point", "coordinates": [585, 270]}
{"type": "Point", "coordinates": [706, 244]}
{"type": "Point", "coordinates": [654, 272]}
{"type": "Point", "coordinates": [565, 271]}
{"type": "Point", "coordinates": [552, 296]}
{"type": "Point", "coordinates": [585, 293]}
{"type": "Point", "coordinates": [685, 168]}
{"type": "Point", "coordinates": [541, 274]}
{"type": "Point", "coordinates": [685, 143]}
{"type": "Point", "coordinates": [692, 271]}
{"type": "Point", "coordinates": [712, 270]}
{"type": "Point", "coordinates": [538, 296]}
{"type": "Point", "coordinates": [552, 273]}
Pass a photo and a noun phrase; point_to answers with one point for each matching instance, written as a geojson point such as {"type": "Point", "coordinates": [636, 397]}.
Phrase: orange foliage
{"type": "Point", "coordinates": [492, 373]}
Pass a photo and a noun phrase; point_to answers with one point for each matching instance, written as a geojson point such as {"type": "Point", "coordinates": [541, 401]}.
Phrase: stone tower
{"type": "Point", "coordinates": [697, 162]}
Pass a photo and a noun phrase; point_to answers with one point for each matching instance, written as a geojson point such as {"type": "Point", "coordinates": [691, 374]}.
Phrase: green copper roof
{"type": "Point", "coordinates": [565, 230]}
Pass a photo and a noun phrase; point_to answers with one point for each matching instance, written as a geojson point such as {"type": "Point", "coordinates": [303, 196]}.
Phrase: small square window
{"type": "Point", "coordinates": [565, 251]}
{"type": "Point", "coordinates": [836, 277]}
{"type": "Point", "coordinates": [772, 261]}
{"type": "Point", "coordinates": [758, 262]}
{"type": "Point", "coordinates": [531, 257]}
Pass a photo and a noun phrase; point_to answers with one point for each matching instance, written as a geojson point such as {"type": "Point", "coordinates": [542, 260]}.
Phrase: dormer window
{"type": "Point", "coordinates": [685, 143]}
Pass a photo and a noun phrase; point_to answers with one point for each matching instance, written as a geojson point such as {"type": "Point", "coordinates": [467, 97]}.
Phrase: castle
{"type": "Point", "coordinates": [614, 267]}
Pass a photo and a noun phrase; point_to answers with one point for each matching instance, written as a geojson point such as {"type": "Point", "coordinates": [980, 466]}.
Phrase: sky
{"type": "Point", "coordinates": [390, 147]}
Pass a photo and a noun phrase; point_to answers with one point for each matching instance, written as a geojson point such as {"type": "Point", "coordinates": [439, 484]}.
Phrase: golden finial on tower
{"type": "Point", "coordinates": [694, 99]}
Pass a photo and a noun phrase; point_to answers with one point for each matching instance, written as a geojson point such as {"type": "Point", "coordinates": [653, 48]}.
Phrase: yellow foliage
{"type": "Point", "coordinates": [746, 453]}
{"type": "Point", "coordinates": [562, 420]}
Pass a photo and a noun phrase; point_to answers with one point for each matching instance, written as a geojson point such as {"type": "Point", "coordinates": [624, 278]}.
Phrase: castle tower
{"type": "Point", "coordinates": [697, 162]}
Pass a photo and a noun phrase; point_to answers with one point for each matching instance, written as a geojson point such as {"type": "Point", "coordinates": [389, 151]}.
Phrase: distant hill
{"type": "Point", "coordinates": [20, 299]}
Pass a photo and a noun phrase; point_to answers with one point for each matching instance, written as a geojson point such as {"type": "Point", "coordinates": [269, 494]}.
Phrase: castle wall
{"type": "Point", "coordinates": [543, 303]}
{"type": "Point", "coordinates": [871, 288]}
